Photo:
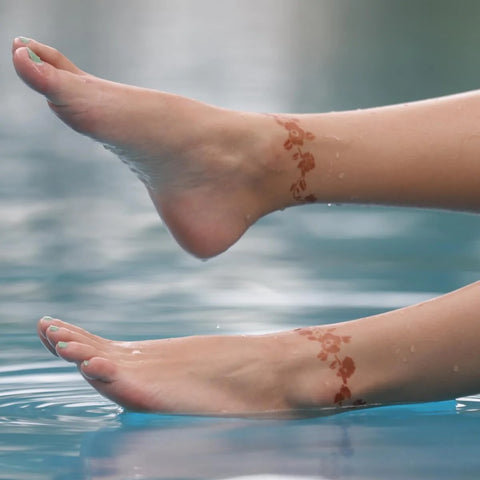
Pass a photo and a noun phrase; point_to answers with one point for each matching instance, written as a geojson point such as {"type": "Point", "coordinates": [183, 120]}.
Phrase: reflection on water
{"type": "Point", "coordinates": [80, 240]}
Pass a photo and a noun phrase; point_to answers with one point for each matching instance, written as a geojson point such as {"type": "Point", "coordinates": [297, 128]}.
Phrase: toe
{"type": "Point", "coordinates": [57, 333]}
{"type": "Point", "coordinates": [74, 351]}
{"type": "Point", "coordinates": [61, 87]}
{"type": "Point", "coordinates": [42, 327]}
{"type": "Point", "coordinates": [47, 54]}
{"type": "Point", "coordinates": [33, 70]}
{"type": "Point", "coordinates": [99, 368]}
{"type": "Point", "coordinates": [46, 322]}
{"type": "Point", "coordinates": [54, 330]}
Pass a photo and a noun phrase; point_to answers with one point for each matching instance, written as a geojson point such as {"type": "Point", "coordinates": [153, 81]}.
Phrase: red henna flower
{"type": "Point", "coordinates": [347, 369]}
{"type": "Point", "coordinates": [307, 163]}
{"type": "Point", "coordinates": [331, 343]}
{"type": "Point", "coordinates": [339, 398]}
{"type": "Point", "coordinates": [310, 199]}
{"type": "Point", "coordinates": [295, 135]}
{"type": "Point", "coordinates": [297, 188]}
{"type": "Point", "coordinates": [342, 395]}
{"type": "Point", "coordinates": [323, 356]}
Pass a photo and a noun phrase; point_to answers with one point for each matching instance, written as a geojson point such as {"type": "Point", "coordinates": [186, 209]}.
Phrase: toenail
{"type": "Point", "coordinates": [85, 363]}
{"type": "Point", "coordinates": [24, 40]}
{"type": "Point", "coordinates": [46, 319]}
{"type": "Point", "coordinates": [62, 344]}
{"type": "Point", "coordinates": [33, 56]}
{"type": "Point", "coordinates": [53, 328]}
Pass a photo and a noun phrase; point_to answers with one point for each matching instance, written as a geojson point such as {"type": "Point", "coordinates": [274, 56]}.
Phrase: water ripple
{"type": "Point", "coordinates": [470, 404]}
{"type": "Point", "coordinates": [50, 394]}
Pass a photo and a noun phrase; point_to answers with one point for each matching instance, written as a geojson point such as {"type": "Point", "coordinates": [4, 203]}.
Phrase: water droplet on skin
{"type": "Point", "coordinates": [412, 348]}
{"type": "Point", "coordinates": [341, 175]}
{"type": "Point", "coordinates": [456, 368]}
{"type": "Point", "coordinates": [404, 359]}
{"type": "Point", "coordinates": [337, 155]}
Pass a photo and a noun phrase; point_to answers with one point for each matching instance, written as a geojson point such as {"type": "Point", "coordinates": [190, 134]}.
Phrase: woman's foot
{"type": "Point", "coordinates": [284, 374]}
{"type": "Point", "coordinates": [204, 167]}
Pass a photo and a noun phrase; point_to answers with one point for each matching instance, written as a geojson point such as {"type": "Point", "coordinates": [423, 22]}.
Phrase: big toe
{"type": "Point", "coordinates": [61, 87]}
{"type": "Point", "coordinates": [46, 54]}
{"type": "Point", "coordinates": [99, 368]}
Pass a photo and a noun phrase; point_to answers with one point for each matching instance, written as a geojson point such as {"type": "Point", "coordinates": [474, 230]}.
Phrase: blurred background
{"type": "Point", "coordinates": [79, 238]}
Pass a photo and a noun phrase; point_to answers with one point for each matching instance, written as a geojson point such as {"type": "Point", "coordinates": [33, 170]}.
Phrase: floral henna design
{"type": "Point", "coordinates": [297, 137]}
{"type": "Point", "coordinates": [330, 352]}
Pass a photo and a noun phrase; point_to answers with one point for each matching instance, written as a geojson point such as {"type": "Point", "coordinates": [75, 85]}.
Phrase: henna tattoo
{"type": "Point", "coordinates": [330, 352]}
{"type": "Point", "coordinates": [297, 137]}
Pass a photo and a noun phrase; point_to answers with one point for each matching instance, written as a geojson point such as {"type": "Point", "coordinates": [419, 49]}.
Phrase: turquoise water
{"type": "Point", "coordinates": [80, 240]}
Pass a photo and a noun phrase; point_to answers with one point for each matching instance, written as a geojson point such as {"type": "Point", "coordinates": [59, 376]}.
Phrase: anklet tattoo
{"type": "Point", "coordinates": [345, 367]}
{"type": "Point", "coordinates": [305, 159]}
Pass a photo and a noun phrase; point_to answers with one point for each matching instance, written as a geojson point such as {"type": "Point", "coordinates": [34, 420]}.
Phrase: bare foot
{"type": "Point", "coordinates": [267, 375]}
{"type": "Point", "coordinates": [203, 166]}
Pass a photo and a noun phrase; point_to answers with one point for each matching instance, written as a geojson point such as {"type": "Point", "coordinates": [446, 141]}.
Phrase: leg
{"type": "Point", "coordinates": [425, 352]}
{"type": "Point", "coordinates": [211, 173]}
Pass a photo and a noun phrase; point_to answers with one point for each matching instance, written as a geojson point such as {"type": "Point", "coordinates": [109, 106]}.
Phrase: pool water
{"type": "Point", "coordinates": [80, 240]}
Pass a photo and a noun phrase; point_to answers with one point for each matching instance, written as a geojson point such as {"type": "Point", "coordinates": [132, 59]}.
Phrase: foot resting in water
{"type": "Point", "coordinates": [408, 355]}
{"type": "Point", "coordinates": [216, 375]}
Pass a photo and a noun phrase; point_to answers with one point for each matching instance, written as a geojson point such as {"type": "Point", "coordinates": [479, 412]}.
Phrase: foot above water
{"type": "Point", "coordinates": [201, 165]}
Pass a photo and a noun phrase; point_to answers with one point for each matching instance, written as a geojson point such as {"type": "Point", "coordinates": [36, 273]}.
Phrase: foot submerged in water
{"type": "Point", "coordinates": [240, 375]}
{"type": "Point", "coordinates": [202, 165]}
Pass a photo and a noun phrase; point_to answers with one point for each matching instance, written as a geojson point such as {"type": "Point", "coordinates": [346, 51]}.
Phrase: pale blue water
{"type": "Point", "coordinates": [80, 240]}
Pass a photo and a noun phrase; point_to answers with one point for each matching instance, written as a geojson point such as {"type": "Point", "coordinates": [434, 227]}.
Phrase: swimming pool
{"type": "Point", "coordinates": [80, 240]}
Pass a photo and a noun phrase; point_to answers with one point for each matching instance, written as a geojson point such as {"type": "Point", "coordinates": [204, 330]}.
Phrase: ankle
{"type": "Point", "coordinates": [326, 367]}
{"type": "Point", "coordinates": [303, 383]}
{"type": "Point", "coordinates": [244, 143]}
{"type": "Point", "coordinates": [270, 170]}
